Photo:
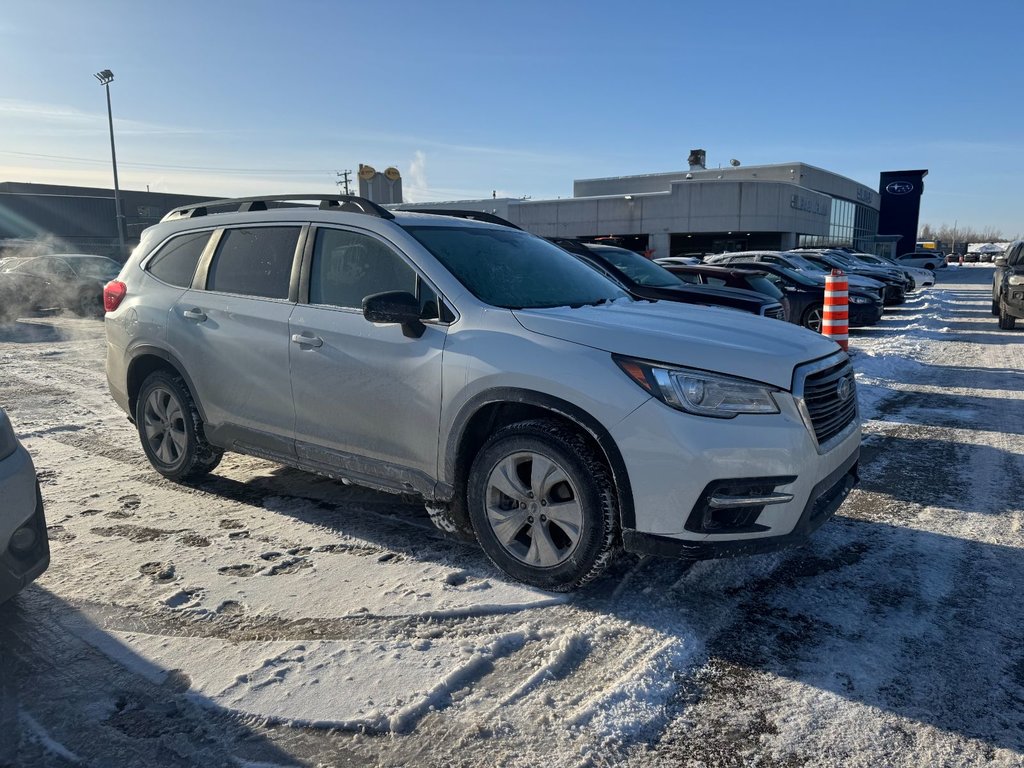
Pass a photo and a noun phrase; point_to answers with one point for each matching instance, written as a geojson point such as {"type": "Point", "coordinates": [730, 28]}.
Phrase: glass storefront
{"type": "Point", "coordinates": [850, 224]}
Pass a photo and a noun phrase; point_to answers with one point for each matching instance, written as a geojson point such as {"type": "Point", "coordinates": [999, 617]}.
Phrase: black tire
{"type": "Point", "coordinates": [171, 429]}
{"type": "Point", "coordinates": [1007, 322]}
{"type": "Point", "coordinates": [577, 483]}
{"type": "Point", "coordinates": [995, 308]}
{"type": "Point", "coordinates": [88, 305]}
{"type": "Point", "coordinates": [930, 266]}
{"type": "Point", "coordinates": [812, 317]}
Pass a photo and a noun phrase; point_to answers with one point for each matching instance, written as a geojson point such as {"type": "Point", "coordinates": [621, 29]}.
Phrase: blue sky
{"type": "Point", "coordinates": [466, 98]}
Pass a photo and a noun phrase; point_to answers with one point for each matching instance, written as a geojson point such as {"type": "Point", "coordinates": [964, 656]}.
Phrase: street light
{"type": "Point", "coordinates": [106, 77]}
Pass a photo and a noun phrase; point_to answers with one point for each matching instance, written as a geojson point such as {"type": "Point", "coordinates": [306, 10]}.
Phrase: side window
{"type": "Point", "coordinates": [348, 266]}
{"type": "Point", "coordinates": [176, 262]}
{"type": "Point", "coordinates": [715, 281]}
{"type": "Point", "coordinates": [1017, 256]}
{"type": "Point", "coordinates": [688, 277]}
{"type": "Point", "coordinates": [254, 261]}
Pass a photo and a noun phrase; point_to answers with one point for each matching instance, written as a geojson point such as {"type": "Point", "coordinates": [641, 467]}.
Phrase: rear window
{"type": "Point", "coordinates": [254, 261]}
{"type": "Point", "coordinates": [176, 262]}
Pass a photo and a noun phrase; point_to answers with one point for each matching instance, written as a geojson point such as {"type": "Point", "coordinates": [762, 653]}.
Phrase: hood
{"type": "Point", "coordinates": [711, 339]}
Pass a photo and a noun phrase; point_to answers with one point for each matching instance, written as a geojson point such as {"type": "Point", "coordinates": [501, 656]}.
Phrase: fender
{"type": "Point", "coordinates": [575, 414]}
{"type": "Point", "coordinates": [134, 352]}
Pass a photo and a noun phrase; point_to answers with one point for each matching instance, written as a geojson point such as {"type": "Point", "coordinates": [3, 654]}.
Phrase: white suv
{"type": "Point", "coordinates": [528, 399]}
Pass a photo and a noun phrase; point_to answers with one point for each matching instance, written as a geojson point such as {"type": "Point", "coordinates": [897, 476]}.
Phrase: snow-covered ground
{"type": "Point", "coordinates": [270, 617]}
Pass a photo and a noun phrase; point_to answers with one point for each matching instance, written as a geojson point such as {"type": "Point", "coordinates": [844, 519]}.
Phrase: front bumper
{"type": "Point", "coordinates": [826, 497]}
{"type": "Point", "coordinates": [861, 315]}
{"type": "Point", "coordinates": [673, 458]}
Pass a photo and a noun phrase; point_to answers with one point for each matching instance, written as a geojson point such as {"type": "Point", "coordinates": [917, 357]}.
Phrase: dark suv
{"type": "Point", "coordinates": [1008, 286]}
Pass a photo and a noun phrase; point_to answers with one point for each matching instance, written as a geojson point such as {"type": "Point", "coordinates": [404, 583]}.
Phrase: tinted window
{"type": "Point", "coordinates": [514, 269]}
{"type": "Point", "coordinates": [637, 268]}
{"type": "Point", "coordinates": [254, 262]}
{"type": "Point", "coordinates": [348, 266]}
{"type": "Point", "coordinates": [176, 262]}
{"type": "Point", "coordinates": [762, 284]}
{"type": "Point", "coordinates": [97, 268]}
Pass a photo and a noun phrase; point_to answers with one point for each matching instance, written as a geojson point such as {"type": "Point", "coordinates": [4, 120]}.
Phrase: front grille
{"type": "Point", "coordinates": [775, 312]}
{"type": "Point", "coordinates": [830, 413]}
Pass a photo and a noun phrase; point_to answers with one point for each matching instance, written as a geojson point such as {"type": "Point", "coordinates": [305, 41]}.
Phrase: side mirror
{"type": "Point", "coordinates": [1000, 261]}
{"type": "Point", "coordinates": [395, 307]}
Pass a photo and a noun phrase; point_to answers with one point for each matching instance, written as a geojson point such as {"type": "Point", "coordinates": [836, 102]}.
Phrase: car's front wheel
{"type": "Point", "coordinates": [542, 505]}
{"type": "Point", "coordinates": [171, 429]}
{"type": "Point", "coordinates": [812, 318]}
{"type": "Point", "coordinates": [1007, 322]}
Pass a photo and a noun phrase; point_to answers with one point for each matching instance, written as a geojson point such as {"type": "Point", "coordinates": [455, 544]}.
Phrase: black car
{"type": "Point", "coordinates": [644, 279]}
{"type": "Point", "coordinates": [895, 287]}
{"type": "Point", "coordinates": [56, 281]}
{"type": "Point", "coordinates": [1008, 286]}
{"type": "Point", "coordinates": [728, 277]}
{"type": "Point", "coordinates": [807, 296]}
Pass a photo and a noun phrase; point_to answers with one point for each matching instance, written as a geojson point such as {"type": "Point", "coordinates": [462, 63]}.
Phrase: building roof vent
{"type": "Point", "coordinates": [696, 159]}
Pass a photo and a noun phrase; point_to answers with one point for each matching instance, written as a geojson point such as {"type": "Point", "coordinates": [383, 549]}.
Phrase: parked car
{"type": "Point", "coordinates": [24, 550]}
{"type": "Point", "coordinates": [57, 281]}
{"type": "Point", "coordinates": [727, 277]}
{"type": "Point", "coordinates": [527, 398]}
{"type": "Point", "coordinates": [806, 296]}
{"type": "Point", "coordinates": [921, 278]}
{"type": "Point", "coordinates": [895, 290]}
{"type": "Point", "coordinates": [1008, 286]}
{"type": "Point", "coordinates": [924, 259]}
{"type": "Point", "coordinates": [645, 279]}
{"type": "Point", "coordinates": [797, 262]}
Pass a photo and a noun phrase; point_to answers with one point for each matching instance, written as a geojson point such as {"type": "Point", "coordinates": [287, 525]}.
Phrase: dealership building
{"type": "Point", "coordinates": [708, 210]}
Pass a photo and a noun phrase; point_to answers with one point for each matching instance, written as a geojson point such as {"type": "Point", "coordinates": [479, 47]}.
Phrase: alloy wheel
{"type": "Point", "coordinates": [164, 426]}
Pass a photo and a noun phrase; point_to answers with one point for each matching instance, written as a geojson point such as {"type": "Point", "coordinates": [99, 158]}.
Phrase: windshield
{"type": "Point", "coordinates": [514, 269]}
{"type": "Point", "coordinates": [800, 262]}
{"type": "Point", "coordinates": [762, 284]}
{"type": "Point", "coordinates": [638, 269]}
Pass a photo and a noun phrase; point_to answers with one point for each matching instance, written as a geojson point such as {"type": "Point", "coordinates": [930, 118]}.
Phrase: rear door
{"type": "Point", "coordinates": [365, 391]}
{"type": "Point", "coordinates": [231, 332]}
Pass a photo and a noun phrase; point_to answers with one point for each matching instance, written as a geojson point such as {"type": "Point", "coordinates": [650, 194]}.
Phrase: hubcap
{"type": "Point", "coordinates": [534, 509]}
{"type": "Point", "coordinates": [814, 321]}
{"type": "Point", "coordinates": [163, 421]}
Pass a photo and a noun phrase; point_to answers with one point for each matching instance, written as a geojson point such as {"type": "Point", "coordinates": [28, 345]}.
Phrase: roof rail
{"type": "Point", "coordinates": [489, 218]}
{"type": "Point", "coordinates": [348, 203]}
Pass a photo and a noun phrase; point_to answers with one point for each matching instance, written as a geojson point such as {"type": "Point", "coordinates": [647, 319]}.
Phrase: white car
{"type": "Point", "coordinates": [24, 550]}
{"type": "Point", "coordinates": [527, 398]}
{"type": "Point", "coordinates": [922, 277]}
{"type": "Point", "coordinates": [922, 260]}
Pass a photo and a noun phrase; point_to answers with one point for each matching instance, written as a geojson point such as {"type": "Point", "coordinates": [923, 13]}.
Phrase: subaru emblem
{"type": "Point", "coordinates": [899, 187]}
{"type": "Point", "coordinates": [845, 389]}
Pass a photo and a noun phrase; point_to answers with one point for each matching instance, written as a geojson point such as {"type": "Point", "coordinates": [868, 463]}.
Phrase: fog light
{"type": "Point", "coordinates": [23, 540]}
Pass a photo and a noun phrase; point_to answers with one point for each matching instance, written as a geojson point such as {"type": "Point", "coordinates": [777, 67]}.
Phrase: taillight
{"type": "Point", "coordinates": [113, 293]}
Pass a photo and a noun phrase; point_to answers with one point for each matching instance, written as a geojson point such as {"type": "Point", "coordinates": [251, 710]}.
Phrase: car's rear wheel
{"type": "Point", "coordinates": [89, 305]}
{"type": "Point", "coordinates": [812, 318]}
{"type": "Point", "coordinates": [995, 307]}
{"type": "Point", "coordinates": [171, 429]}
{"type": "Point", "coordinates": [543, 505]}
{"type": "Point", "coordinates": [1007, 322]}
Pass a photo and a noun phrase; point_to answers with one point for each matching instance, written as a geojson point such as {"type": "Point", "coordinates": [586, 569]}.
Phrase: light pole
{"type": "Point", "coordinates": [106, 77]}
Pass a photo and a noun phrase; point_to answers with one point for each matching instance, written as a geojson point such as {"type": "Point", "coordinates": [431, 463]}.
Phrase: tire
{"type": "Point", "coordinates": [88, 305]}
{"type": "Point", "coordinates": [523, 473]}
{"type": "Point", "coordinates": [812, 317]}
{"type": "Point", "coordinates": [930, 266]}
{"type": "Point", "coordinates": [171, 429]}
{"type": "Point", "coordinates": [995, 308]}
{"type": "Point", "coordinates": [1007, 322]}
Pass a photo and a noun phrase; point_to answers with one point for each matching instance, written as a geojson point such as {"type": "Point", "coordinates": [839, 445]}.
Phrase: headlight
{"type": "Point", "coordinates": [8, 442]}
{"type": "Point", "coordinates": [859, 299]}
{"type": "Point", "coordinates": [1016, 280]}
{"type": "Point", "coordinates": [700, 393]}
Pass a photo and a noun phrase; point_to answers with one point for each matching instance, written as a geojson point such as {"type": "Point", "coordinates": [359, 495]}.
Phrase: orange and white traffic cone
{"type": "Point", "coordinates": [835, 321]}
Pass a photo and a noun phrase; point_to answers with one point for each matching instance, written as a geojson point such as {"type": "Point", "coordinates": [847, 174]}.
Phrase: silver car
{"type": "Point", "coordinates": [24, 550]}
{"type": "Point", "coordinates": [528, 399]}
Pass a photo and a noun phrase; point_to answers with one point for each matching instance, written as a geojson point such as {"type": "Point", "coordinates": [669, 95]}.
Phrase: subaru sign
{"type": "Point", "coordinates": [899, 188]}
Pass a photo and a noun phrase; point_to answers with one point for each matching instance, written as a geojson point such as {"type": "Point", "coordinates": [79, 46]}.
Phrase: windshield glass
{"type": "Point", "coordinates": [763, 285]}
{"type": "Point", "coordinates": [514, 269]}
{"type": "Point", "coordinates": [800, 262]}
{"type": "Point", "coordinates": [638, 269]}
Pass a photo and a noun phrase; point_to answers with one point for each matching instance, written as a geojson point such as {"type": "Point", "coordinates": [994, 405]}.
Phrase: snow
{"type": "Point", "coordinates": [320, 620]}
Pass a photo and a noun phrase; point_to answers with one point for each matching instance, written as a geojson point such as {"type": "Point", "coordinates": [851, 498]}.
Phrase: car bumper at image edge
{"type": "Point", "coordinates": [13, 575]}
{"type": "Point", "coordinates": [826, 497]}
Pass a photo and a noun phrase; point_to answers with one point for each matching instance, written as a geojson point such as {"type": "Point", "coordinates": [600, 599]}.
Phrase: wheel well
{"type": "Point", "coordinates": [140, 368]}
{"type": "Point", "coordinates": [494, 416]}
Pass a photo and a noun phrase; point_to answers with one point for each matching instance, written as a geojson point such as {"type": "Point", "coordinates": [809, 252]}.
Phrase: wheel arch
{"type": "Point", "coordinates": [146, 359]}
{"type": "Point", "coordinates": [488, 411]}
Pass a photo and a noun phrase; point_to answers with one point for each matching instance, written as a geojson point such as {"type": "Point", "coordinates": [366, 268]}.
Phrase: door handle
{"type": "Point", "coordinates": [307, 341]}
{"type": "Point", "coordinates": [195, 314]}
